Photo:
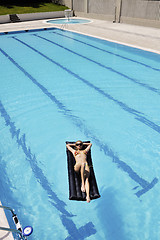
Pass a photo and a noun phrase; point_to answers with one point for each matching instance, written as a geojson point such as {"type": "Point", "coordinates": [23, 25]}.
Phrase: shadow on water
{"type": "Point", "coordinates": [110, 216]}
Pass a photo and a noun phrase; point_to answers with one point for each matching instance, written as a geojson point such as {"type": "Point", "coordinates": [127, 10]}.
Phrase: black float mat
{"type": "Point", "coordinates": [75, 179]}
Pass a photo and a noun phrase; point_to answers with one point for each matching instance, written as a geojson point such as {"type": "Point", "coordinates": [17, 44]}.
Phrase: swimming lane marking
{"type": "Point", "coordinates": [102, 65]}
{"type": "Point", "coordinates": [103, 50]}
{"type": "Point", "coordinates": [132, 111]}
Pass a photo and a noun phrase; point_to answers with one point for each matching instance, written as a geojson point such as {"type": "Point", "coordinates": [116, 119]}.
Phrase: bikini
{"type": "Point", "coordinates": [77, 152]}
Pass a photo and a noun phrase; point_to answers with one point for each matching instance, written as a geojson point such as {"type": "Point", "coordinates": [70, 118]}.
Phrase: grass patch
{"type": "Point", "coordinates": [30, 8]}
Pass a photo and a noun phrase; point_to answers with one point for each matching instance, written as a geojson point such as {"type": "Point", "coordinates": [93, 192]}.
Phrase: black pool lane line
{"type": "Point", "coordinates": [106, 51]}
{"type": "Point", "coordinates": [155, 90]}
{"type": "Point", "coordinates": [137, 114]}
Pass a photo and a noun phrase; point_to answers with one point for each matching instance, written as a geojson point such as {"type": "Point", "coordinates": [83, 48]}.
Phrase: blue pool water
{"type": "Point", "coordinates": [69, 21]}
{"type": "Point", "coordinates": [58, 86]}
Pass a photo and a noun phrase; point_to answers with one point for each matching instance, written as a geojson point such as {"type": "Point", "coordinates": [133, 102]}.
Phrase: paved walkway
{"type": "Point", "coordinates": [142, 37]}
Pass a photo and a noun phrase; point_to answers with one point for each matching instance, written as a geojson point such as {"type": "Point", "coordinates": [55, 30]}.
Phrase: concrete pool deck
{"type": "Point", "coordinates": [146, 38]}
{"type": "Point", "coordinates": [137, 36]}
{"type": "Point", "coordinates": [5, 235]}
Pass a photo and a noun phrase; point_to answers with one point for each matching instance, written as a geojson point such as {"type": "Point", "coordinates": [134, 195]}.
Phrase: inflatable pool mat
{"type": "Point", "coordinates": [74, 178]}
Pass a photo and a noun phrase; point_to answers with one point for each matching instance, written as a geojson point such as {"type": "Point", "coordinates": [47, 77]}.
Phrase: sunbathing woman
{"type": "Point", "coordinates": [81, 164]}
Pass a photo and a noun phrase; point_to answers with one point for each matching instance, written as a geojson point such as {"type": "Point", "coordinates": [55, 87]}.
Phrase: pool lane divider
{"type": "Point", "coordinates": [137, 114]}
{"type": "Point", "coordinates": [102, 65]}
{"type": "Point", "coordinates": [85, 231]}
{"type": "Point", "coordinates": [146, 186]}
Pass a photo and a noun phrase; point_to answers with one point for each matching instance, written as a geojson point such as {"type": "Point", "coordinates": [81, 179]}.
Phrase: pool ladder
{"type": "Point", "coordinates": [18, 229]}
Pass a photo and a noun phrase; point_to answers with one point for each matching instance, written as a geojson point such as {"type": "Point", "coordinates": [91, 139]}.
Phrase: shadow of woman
{"type": "Point", "coordinates": [110, 216]}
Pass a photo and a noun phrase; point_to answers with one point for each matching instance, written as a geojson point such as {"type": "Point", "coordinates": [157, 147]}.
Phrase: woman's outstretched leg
{"type": "Point", "coordinates": [83, 177]}
{"type": "Point", "coordinates": [87, 190]}
{"type": "Point", "coordinates": [87, 187]}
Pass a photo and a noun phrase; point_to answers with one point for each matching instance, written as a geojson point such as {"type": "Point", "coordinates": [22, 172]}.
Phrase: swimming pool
{"type": "Point", "coordinates": [69, 21]}
{"type": "Point", "coordinates": [56, 86]}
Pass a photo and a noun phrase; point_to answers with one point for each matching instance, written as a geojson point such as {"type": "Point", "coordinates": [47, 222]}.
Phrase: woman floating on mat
{"type": "Point", "coordinates": [81, 164]}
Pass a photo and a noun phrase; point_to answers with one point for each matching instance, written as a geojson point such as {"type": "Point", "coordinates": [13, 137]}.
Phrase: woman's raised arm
{"type": "Point", "coordinates": [70, 147]}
